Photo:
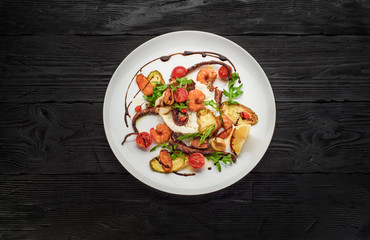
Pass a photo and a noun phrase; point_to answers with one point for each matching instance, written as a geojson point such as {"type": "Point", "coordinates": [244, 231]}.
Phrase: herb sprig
{"type": "Point", "coordinates": [173, 150]}
{"type": "Point", "coordinates": [203, 136]}
{"type": "Point", "coordinates": [213, 104]}
{"type": "Point", "coordinates": [182, 82]}
{"type": "Point", "coordinates": [219, 157]}
{"type": "Point", "coordinates": [233, 92]}
{"type": "Point", "coordinates": [180, 106]}
{"type": "Point", "coordinates": [157, 92]}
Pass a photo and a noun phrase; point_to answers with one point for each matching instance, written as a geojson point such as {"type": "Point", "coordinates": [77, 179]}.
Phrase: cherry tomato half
{"type": "Point", "coordinates": [184, 110]}
{"type": "Point", "coordinates": [144, 139]}
{"type": "Point", "coordinates": [196, 160]}
{"type": "Point", "coordinates": [180, 95]}
{"type": "Point", "coordinates": [178, 72]}
{"type": "Point", "coordinates": [223, 72]}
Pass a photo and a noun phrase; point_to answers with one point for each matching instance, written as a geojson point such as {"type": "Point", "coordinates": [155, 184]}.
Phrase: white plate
{"type": "Point", "coordinates": [257, 95]}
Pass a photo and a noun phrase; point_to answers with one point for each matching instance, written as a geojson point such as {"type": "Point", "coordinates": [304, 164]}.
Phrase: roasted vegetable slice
{"type": "Point", "coordinates": [233, 111]}
{"type": "Point", "coordinates": [177, 164]}
{"type": "Point", "coordinates": [206, 119]}
{"type": "Point", "coordinates": [155, 77]}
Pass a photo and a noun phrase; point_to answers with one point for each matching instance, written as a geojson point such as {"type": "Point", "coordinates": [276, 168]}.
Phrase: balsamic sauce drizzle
{"type": "Point", "coordinates": [159, 160]}
{"type": "Point", "coordinates": [167, 58]}
{"type": "Point", "coordinates": [184, 174]}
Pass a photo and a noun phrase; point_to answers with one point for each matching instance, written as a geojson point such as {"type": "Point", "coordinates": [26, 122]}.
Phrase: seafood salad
{"type": "Point", "coordinates": [200, 122]}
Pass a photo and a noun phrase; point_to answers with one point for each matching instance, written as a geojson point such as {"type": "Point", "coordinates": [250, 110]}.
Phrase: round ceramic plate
{"type": "Point", "coordinates": [257, 95]}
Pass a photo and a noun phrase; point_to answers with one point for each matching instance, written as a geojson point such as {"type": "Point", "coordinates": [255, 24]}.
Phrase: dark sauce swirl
{"type": "Point", "coordinates": [166, 58]}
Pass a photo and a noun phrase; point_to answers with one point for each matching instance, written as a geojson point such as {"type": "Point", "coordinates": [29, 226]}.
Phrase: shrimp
{"type": "Point", "coordinates": [196, 98]}
{"type": "Point", "coordinates": [162, 134]}
{"type": "Point", "coordinates": [206, 76]}
{"type": "Point", "coordinates": [227, 125]}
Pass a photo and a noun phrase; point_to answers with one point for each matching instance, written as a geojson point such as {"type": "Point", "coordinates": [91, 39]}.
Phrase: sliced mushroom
{"type": "Point", "coordinates": [164, 110]}
{"type": "Point", "coordinates": [159, 102]}
{"type": "Point", "coordinates": [218, 144]}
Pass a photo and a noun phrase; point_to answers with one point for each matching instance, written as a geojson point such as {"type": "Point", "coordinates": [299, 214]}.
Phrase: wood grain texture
{"type": "Point", "coordinates": [60, 180]}
{"type": "Point", "coordinates": [141, 17]}
{"type": "Point", "coordinates": [260, 206]}
{"type": "Point", "coordinates": [78, 69]}
{"type": "Point", "coordinates": [54, 138]}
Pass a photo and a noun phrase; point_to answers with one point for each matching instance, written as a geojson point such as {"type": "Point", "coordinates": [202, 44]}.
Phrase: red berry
{"type": "Point", "coordinates": [138, 109]}
{"type": "Point", "coordinates": [184, 110]}
{"type": "Point", "coordinates": [182, 119]}
{"type": "Point", "coordinates": [245, 115]}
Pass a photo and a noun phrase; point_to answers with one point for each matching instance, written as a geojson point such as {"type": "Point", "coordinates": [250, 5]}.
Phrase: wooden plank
{"type": "Point", "coordinates": [69, 138]}
{"type": "Point", "coordinates": [112, 206]}
{"type": "Point", "coordinates": [156, 17]}
{"type": "Point", "coordinates": [78, 69]}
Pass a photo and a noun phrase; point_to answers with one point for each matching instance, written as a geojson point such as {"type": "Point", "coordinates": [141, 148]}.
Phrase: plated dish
{"type": "Point", "coordinates": [191, 109]}
{"type": "Point", "coordinates": [190, 121]}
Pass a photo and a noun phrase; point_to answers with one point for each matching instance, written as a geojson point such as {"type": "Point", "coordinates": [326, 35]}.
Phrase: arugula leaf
{"type": "Point", "coordinates": [213, 104]}
{"type": "Point", "coordinates": [218, 157]}
{"type": "Point", "coordinates": [179, 106]}
{"type": "Point", "coordinates": [203, 136]}
{"type": "Point", "coordinates": [183, 81]}
{"type": "Point", "coordinates": [173, 152]}
{"type": "Point", "coordinates": [157, 92]}
{"type": "Point", "coordinates": [206, 134]}
{"type": "Point", "coordinates": [234, 92]}
{"type": "Point", "coordinates": [189, 135]}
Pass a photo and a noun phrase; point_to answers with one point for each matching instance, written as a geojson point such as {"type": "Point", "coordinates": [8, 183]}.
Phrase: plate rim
{"type": "Point", "coordinates": [178, 191]}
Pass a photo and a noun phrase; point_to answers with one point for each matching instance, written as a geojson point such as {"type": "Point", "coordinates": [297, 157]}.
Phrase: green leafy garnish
{"type": "Point", "coordinates": [183, 81]}
{"type": "Point", "coordinates": [207, 134]}
{"type": "Point", "coordinates": [203, 137]}
{"type": "Point", "coordinates": [233, 92]}
{"type": "Point", "coordinates": [213, 104]}
{"type": "Point", "coordinates": [180, 105]}
{"type": "Point", "coordinates": [219, 157]}
{"type": "Point", "coordinates": [173, 150]}
{"type": "Point", "coordinates": [189, 135]}
{"type": "Point", "coordinates": [157, 92]}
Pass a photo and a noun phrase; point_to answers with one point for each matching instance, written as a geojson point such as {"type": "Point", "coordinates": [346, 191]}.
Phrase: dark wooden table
{"type": "Point", "coordinates": [60, 180]}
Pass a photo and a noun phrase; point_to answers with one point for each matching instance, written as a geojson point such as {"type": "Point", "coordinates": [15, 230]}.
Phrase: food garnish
{"type": "Point", "coordinates": [218, 157]}
{"type": "Point", "coordinates": [233, 92]}
{"type": "Point", "coordinates": [157, 92]}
